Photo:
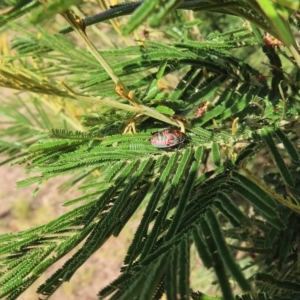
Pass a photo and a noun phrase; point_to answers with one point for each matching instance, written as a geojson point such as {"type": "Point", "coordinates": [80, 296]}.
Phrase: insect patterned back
{"type": "Point", "coordinates": [168, 138]}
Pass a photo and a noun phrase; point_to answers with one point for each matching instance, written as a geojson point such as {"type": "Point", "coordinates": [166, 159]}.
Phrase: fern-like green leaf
{"type": "Point", "coordinates": [222, 248]}
{"type": "Point", "coordinates": [283, 169]}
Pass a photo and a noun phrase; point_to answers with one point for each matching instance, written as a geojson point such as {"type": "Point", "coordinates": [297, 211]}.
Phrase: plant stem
{"type": "Point", "coordinates": [137, 106]}
{"type": "Point", "coordinates": [77, 26]}
{"type": "Point", "coordinates": [140, 109]}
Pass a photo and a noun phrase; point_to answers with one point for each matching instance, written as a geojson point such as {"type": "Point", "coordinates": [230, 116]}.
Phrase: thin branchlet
{"type": "Point", "coordinates": [123, 10]}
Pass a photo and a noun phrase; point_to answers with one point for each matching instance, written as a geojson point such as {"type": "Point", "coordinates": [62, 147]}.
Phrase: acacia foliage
{"type": "Point", "coordinates": [198, 195]}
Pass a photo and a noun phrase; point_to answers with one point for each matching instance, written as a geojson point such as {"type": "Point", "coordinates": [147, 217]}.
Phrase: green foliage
{"type": "Point", "coordinates": [232, 188]}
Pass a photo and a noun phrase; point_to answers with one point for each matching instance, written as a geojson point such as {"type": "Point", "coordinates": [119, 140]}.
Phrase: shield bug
{"type": "Point", "coordinates": [168, 138]}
